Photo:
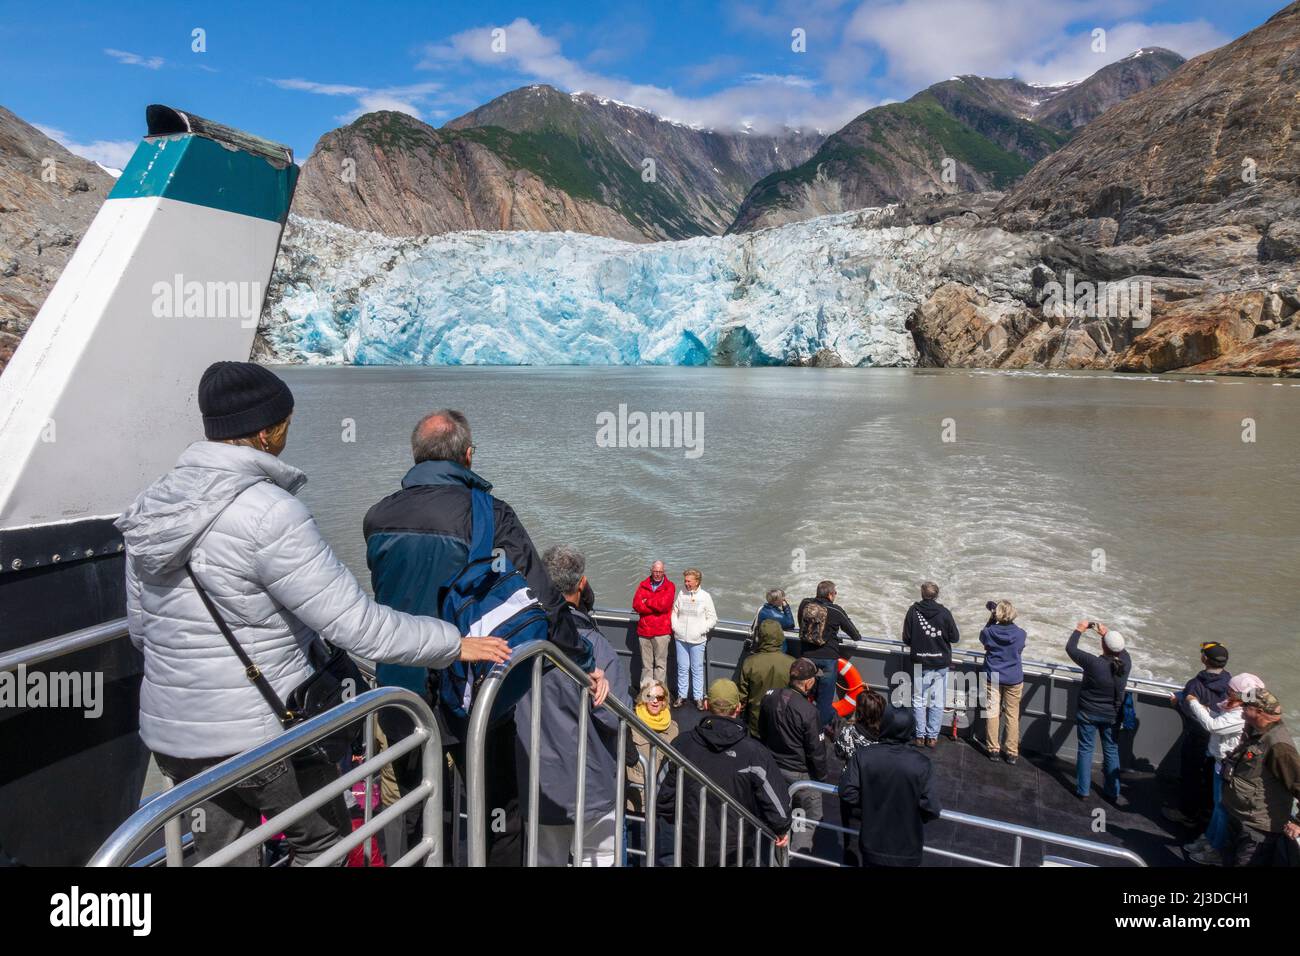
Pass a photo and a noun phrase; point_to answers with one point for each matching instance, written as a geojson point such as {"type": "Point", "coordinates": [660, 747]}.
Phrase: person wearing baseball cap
{"type": "Point", "coordinates": [720, 746]}
{"type": "Point", "coordinates": [790, 726]}
{"type": "Point", "coordinates": [1196, 779]}
{"type": "Point", "coordinates": [1100, 704]}
{"type": "Point", "coordinates": [1261, 781]}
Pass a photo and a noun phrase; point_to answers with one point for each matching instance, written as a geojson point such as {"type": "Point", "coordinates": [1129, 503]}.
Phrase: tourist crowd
{"type": "Point", "coordinates": [240, 608]}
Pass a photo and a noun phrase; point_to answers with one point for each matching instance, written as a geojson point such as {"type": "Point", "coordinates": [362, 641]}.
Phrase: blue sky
{"type": "Point", "coordinates": [290, 71]}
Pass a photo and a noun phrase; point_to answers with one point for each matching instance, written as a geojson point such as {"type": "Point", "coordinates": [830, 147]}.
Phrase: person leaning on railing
{"type": "Point", "coordinates": [228, 515]}
{"type": "Point", "coordinates": [775, 608]}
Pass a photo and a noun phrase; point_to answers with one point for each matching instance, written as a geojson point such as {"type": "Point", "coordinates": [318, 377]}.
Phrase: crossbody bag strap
{"type": "Point", "coordinates": [251, 670]}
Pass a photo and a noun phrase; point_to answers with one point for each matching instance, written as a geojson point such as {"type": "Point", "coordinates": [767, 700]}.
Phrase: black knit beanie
{"type": "Point", "coordinates": [240, 398]}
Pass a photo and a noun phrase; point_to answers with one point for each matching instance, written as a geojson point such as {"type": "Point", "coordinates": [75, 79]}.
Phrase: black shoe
{"type": "Point", "coordinates": [1011, 759]}
{"type": "Point", "coordinates": [993, 754]}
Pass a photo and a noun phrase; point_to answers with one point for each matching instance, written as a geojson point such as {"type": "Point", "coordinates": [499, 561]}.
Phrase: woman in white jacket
{"type": "Point", "coordinates": [227, 512]}
{"type": "Point", "coordinates": [1225, 726]}
{"type": "Point", "coordinates": [692, 618]}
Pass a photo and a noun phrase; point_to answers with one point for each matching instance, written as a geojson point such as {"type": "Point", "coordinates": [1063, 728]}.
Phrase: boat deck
{"type": "Point", "coordinates": [1037, 792]}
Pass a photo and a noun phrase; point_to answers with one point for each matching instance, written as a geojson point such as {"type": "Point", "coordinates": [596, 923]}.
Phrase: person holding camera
{"type": "Point", "coordinates": [1004, 644]}
{"type": "Point", "coordinates": [1100, 704]}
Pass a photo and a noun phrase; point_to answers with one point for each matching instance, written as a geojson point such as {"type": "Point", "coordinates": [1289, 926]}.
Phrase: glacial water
{"type": "Point", "coordinates": [1134, 500]}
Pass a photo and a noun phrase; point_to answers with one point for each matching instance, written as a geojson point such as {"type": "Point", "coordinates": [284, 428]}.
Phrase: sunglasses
{"type": "Point", "coordinates": [655, 700]}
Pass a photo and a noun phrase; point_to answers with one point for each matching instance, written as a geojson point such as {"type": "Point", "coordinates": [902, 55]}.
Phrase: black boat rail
{"type": "Point", "coordinates": [174, 803]}
{"type": "Point", "coordinates": [1021, 833]}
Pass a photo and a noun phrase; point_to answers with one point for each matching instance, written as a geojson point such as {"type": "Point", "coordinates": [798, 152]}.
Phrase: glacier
{"type": "Point", "coordinates": [838, 289]}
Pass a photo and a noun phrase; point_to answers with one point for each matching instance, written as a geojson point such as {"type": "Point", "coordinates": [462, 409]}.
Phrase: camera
{"type": "Point", "coordinates": [991, 605]}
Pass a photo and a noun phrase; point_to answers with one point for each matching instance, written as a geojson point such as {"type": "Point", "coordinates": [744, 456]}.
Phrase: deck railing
{"type": "Point", "coordinates": [536, 655]}
{"type": "Point", "coordinates": [171, 804]}
{"type": "Point", "coordinates": [1021, 834]}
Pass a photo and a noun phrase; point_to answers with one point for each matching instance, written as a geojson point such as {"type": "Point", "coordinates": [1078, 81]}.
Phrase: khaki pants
{"type": "Point", "coordinates": [654, 657]}
{"type": "Point", "coordinates": [1003, 701]}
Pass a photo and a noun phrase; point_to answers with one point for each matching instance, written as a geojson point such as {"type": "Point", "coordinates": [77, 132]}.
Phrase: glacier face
{"type": "Point", "coordinates": [843, 283]}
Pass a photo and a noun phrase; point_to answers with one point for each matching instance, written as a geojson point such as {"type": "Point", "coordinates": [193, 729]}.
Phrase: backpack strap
{"type": "Point", "coordinates": [251, 670]}
{"type": "Point", "coordinates": [483, 528]}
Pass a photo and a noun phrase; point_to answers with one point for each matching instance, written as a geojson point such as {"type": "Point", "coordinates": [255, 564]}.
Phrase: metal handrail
{"type": "Point", "coordinates": [31, 654]}
{"type": "Point", "coordinates": [741, 629]}
{"type": "Point", "coordinates": [538, 652]}
{"type": "Point", "coordinates": [1021, 833]}
{"type": "Point", "coordinates": [168, 805]}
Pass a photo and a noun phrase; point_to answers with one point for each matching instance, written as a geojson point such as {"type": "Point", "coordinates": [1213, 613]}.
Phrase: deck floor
{"type": "Point", "coordinates": [1037, 792]}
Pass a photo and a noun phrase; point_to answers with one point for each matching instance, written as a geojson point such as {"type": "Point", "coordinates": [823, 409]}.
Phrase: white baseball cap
{"type": "Point", "coordinates": [1114, 641]}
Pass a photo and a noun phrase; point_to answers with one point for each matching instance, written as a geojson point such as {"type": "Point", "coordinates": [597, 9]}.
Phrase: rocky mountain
{"type": "Point", "coordinates": [984, 133]}
{"type": "Point", "coordinates": [539, 159]}
{"type": "Point", "coordinates": [48, 197]}
{"type": "Point", "coordinates": [1197, 185]}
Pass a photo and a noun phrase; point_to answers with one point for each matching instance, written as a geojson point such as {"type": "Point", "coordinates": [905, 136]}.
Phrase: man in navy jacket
{"type": "Point", "coordinates": [417, 540]}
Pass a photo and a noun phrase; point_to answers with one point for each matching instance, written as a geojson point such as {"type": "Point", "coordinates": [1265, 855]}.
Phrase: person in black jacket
{"type": "Point", "coordinates": [1196, 779]}
{"type": "Point", "coordinates": [1100, 704]}
{"type": "Point", "coordinates": [788, 725]}
{"type": "Point", "coordinates": [821, 643]}
{"type": "Point", "coordinates": [721, 747]}
{"type": "Point", "coordinates": [930, 632]}
{"type": "Point", "coordinates": [891, 786]}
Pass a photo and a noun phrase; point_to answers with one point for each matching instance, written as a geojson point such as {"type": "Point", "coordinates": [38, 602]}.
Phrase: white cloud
{"type": "Point", "coordinates": [135, 59]}
{"type": "Point", "coordinates": [924, 41]}
{"type": "Point", "coordinates": [111, 154]}
{"type": "Point", "coordinates": [400, 99]}
{"type": "Point", "coordinates": [758, 101]}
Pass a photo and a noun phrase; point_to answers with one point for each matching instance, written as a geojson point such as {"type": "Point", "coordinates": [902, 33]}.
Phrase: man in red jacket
{"type": "Point", "coordinates": [654, 602]}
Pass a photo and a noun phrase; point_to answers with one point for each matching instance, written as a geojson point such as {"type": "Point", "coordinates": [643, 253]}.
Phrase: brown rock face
{"type": "Point", "coordinates": [1195, 331]}
{"type": "Point", "coordinates": [47, 199]}
{"type": "Point", "coordinates": [390, 173]}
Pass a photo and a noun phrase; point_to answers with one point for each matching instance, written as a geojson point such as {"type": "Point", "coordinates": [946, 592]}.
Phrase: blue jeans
{"type": "Point", "coordinates": [690, 669]}
{"type": "Point", "coordinates": [825, 689]}
{"type": "Point", "coordinates": [1087, 727]}
{"type": "Point", "coordinates": [927, 702]}
{"type": "Point", "coordinates": [1217, 832]}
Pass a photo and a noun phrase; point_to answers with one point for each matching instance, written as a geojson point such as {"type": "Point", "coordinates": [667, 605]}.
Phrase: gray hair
{"type": "Point", "coordinates": [929, 591]}
{"type": "Point", "coordinates": [441, 436]}
{"type": "Point", "coordinates": [775, 596]}
{"type": "Point", "coordinates": [565, 566]}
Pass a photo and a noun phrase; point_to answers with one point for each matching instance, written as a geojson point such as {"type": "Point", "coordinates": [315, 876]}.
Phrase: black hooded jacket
{"type": "Point", "coordinates": [930, 631]}
{"type": "Point", "coordinates": [723, 750]}
{"type": "Point", "coordinates": [891, 786]}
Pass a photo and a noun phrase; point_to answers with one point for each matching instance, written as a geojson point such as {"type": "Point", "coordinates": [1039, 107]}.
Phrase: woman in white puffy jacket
{"type": "Point", "coordinates": [693, 617]}
{"type": "Point", "coordinates": [1225, 725]}
{"type": "Point", "coordinates": [228, 511]}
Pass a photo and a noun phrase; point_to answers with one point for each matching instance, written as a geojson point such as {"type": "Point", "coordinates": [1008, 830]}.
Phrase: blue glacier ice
{"type": "Point", "coordinates": [841, 283]}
